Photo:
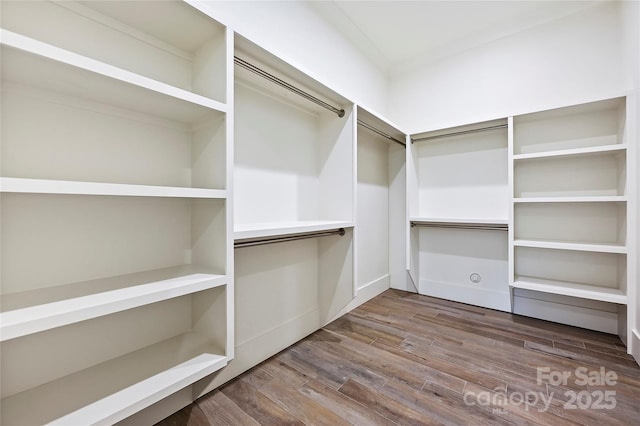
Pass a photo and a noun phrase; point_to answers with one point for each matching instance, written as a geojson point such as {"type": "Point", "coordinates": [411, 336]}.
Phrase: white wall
{"type": "Point", "coordinates": [631, 26]}
{"type": "Point", "coordinates": [293, 31]}
{"type": "Point", "coordinates": [564, 61]}
{"type": "Point", "coordinates": [637, 74]}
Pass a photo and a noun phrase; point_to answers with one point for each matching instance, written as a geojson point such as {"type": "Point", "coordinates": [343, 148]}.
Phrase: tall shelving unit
{"type": "Point", "coordinates": [571, 208]}
{"type": "Point", "coordinates": [459, 200]}
{"type": "Point", "coordinates": [293, 204]}
{"type": "Point", "coordinates": [116, 288]}
{"type": "Point", "coordinates": [381, 205]}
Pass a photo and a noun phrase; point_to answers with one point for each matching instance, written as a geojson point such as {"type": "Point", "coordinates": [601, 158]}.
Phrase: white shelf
{"type": "Point", "coordinates": [276, 229]}
{"type": "Point", "coordinates": [461, 221]}
{"type": "Point", "coordinates": [577, 246]}
{"type": "Point", "coordinates": [32, 319]}
{"type": "Point", "coordinates": [590, 199]}
{"type": "Point", "coordinates": [39, 64]}
{"type": "Point", "coordinates": [45, 186]}
{"type": "Point", "coordinates": [98, 396]}
{"type": "Point", "coordinates": [573, 152]}
{"type": "Point", "coordinates": [565, 288]}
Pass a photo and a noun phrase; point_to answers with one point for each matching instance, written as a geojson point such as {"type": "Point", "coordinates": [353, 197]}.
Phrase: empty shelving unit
{"type": "Point", "coordinates": [116, 289]}
{"type": "Point", "coordinates": [571, 213]}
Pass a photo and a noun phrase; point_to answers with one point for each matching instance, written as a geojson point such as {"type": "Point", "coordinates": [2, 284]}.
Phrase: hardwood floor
{"type": "Point", "coordinates": [403, 358]}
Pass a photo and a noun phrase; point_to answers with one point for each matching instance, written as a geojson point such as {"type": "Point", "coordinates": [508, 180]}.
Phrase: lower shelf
{"type": "Point", "coordinates": [566, 288]}
{"type": "Point", "coordinates": [103, 297]}
{"type": "Point", "coordinates": [99, 396]}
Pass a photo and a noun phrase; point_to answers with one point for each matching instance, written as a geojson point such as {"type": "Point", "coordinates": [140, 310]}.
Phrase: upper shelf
{"type": "Point", "coordinates": [573, 152]}
{"type": "Point", "coordinates": [33, 63]}
{"type": "Point", "coordinates": [276, 229]}
{"type": "Point", "coordinates": [123, 34]}
{"type": "Point", "coordinates": [590, 125]}
{"type": "Point", "coordinates": [576, 246]}
{"type": "Point", "coordinates": [45, 186]}
{"type": "Point", "coordinates": [461, 221]}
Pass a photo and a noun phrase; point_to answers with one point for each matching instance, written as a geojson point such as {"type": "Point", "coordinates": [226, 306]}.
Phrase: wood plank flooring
{"type": "Point", "coordinates": [407, 359]}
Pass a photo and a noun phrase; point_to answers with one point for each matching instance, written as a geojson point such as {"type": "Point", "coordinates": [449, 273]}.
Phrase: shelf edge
{"type": "Point", "coordinates": [601, 149]}
{"type": "Point", "coordinates": [63, 187]}
{"type": "Point", "coordinates": [582, 293]}
{"type": "Point", "coordinates": [145, 393]}
{"type": "Point", "coordinates": [69, 311]}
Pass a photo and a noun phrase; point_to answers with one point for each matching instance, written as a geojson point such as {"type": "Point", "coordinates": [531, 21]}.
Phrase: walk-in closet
{"type": "Point", "coordinates": [200, 194]}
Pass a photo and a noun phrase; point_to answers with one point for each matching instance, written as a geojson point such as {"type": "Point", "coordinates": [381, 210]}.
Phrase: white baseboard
{"type": "Point", "coordinates": [635, 345]}
{"type": "Point", "coordinates": [253, 351]}
{"type": "Point", "coordinates": [588, 316]}
{"type": "Point", "coordinates": [465, 294]}
{"type": "Point", "coordinates": [407, 284]}
{"type": "Point", "coordinates": [371, 289]}
{"type": "Point", "coordinates": [365, 293]}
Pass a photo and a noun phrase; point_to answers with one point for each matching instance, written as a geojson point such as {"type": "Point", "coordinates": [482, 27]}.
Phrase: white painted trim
{"type": "Point", "coordinates": [366, 293]}
{"type": "Point", "coordinates": [634, 348]}
{"type": "Point", "coordinates": [253, 351]}
{"type": "Point", "coordinates": [578, 316]}
{"type": "Point", "coordinates": [376, 282]}
{"type": "Point", "coordinates": [465, 294]}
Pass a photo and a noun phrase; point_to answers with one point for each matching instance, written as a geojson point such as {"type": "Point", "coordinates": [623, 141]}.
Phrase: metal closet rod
{"type": "Point", "coordinates": [272, 78]}
{"type": "Point", "coordinates": [380, 132]}
{"type": "Point", "coordinates": [272, 240]}
{"type": "Point", "coordinates": [461, 132]}
{"type": "Point", "coordinates": [479, 226]}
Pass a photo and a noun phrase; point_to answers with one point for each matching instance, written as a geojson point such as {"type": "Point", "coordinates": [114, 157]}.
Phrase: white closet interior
{"type": "Point", "coordinates": [170, 219]}
{"type": "Point", "coordinates": [381, 204]}
{"type": "Point", "coordinates": [293, 205]}
{"type": "Point", "coordinates": [459, 212]}
{"type": "Point", "coordinates": [293, 169]}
